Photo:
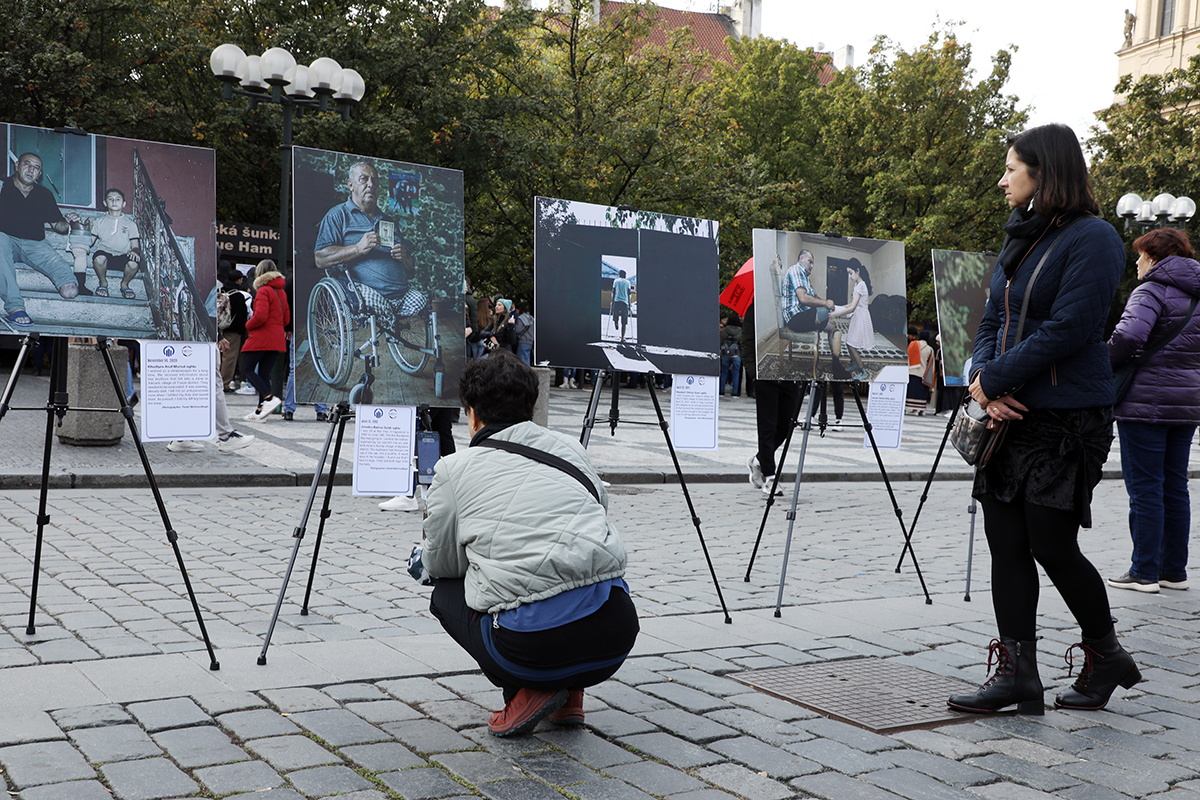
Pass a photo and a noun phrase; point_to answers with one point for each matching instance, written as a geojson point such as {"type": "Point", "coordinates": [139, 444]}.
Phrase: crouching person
{"type": "Point", "coordinates": [528, 568]}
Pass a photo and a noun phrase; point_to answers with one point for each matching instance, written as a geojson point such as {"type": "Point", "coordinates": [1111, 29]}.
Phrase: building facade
{"type": "Point", "coordinates": [1159, 37]}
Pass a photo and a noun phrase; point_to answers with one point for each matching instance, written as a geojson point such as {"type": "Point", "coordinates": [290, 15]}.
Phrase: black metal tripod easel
{"type": "Point", "coordinates": [57, 405]}
{"type": "Point", "coordinates": [614, 417]}
{"type": "Point", "coordinates": [816, 386]}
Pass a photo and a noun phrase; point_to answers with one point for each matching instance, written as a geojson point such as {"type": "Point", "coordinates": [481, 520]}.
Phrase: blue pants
{"type": "Point", "coordinates": [731, 372]}
{"type": "Point", "coordinates": [1154, 462]}
{"type": "Point", "coordinates": [525, 353]}
{"type": "Point", "coordinates": [289, 394]}
{"type": "Point", "coordinates": [39, 255]}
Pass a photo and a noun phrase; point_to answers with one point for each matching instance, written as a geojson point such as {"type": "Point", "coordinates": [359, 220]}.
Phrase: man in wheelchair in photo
{"type": "Point", "coordinates": [356, 236]}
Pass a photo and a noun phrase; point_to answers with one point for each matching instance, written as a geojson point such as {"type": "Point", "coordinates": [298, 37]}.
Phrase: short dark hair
{"type": "Point", "coordinates": [499, 388]}
{"type": "Point", "coordinates": [1053, 156]}
{"type": "Point", "coordinates": [621, 273]}
{"type": "Point", "coordinates": [1163, 242]}
{"type": "Point", "coordinates": [107, 192]}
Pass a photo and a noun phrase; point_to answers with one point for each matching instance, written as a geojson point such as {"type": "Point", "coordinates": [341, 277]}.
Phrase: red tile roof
{"type": "Point", "coordinates": [708, 30]}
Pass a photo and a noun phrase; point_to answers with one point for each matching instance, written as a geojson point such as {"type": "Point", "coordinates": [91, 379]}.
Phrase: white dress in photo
{"type": "Point", "coordinates": [861, 334]}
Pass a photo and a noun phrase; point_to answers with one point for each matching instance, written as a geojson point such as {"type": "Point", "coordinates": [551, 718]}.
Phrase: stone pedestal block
{"type": "Point", "coordinates": [541, 409]}
{"type": "Point", "coordinates": [89, 386]}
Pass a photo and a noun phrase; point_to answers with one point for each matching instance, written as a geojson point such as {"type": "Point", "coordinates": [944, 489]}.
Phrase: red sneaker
{"type": "Point", "coordinates": [571, 712]}
{"type": "Point", "coordinates": [525, 711]}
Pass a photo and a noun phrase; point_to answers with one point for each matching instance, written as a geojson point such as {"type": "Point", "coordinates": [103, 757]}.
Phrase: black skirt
{"type": "Point", "coordinates": [1052, 458]}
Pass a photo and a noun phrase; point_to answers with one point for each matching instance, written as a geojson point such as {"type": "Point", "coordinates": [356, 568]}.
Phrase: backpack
{"type": "Point", "coordinates": [224, 314]}
{"type": "Point", "coordinates": [729, 347]}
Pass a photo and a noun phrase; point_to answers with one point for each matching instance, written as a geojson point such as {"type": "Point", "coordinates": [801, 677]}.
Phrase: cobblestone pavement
{"type": "Point", "coordinates": [366, 698]}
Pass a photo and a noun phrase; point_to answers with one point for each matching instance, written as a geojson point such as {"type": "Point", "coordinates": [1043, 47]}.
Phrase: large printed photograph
{"type": "Point", "coordinates": [378, 305]}
{"type": "Point", "coordinates": [827, 307]}
{"type": "Point", "coordinates": [101, 236]}
{"type": "Point", "coordinates": [624, 289]}
{"type": "Point", "coordinates": [961, 285]}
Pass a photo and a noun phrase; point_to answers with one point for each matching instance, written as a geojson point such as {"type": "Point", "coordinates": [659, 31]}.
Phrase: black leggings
{"type": "Point", "coordinates": [1020, 533]}
{"type": "Point", "coordinates": [256, 368]}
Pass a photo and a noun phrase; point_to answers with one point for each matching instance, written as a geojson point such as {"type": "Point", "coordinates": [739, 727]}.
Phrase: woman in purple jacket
{"type": "Point", "coordinates": [1158, 415]}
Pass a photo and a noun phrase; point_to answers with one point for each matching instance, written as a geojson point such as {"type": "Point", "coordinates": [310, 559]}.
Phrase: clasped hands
{"type": "Point", "coordinates": [999, 409]}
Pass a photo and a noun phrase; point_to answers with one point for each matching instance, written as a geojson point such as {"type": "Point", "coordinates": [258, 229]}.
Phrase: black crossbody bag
{"type": "Point", "coordinates": [545, 458]}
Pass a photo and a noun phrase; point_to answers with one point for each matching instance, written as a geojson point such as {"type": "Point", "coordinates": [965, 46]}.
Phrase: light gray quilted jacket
{"type": "Point", "coordinates": [517, 530]}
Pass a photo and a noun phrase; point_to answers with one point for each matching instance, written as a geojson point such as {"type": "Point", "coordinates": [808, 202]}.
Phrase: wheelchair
{"type": "Point", "coordinates": [339, 307]}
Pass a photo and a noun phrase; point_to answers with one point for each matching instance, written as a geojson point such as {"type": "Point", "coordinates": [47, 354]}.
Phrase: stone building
{"type": "Point", "coordinates": [1160, 35]}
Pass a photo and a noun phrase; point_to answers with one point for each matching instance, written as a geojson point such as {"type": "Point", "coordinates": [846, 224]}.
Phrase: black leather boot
{"type": "Point", "coordinates": [1015, 681]}
{"type": "Point", "coordinates": [1105, 665]}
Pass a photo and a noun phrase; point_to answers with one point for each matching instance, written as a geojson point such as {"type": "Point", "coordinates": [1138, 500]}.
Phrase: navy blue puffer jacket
{"type": "Point", "coordinates": [1062, 360]}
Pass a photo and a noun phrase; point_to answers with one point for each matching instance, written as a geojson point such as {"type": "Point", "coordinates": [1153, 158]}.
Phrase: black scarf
{"type": "Point", "coordinates": [1023, 229]}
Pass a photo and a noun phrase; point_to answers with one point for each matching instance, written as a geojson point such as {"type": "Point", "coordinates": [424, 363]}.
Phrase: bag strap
{"type": "Point", "coordinates": [1163, 342]}
{"type": "Point", "coordinates": [1034, 276]}
{"type": "Point", "coordinates": [545, 458]}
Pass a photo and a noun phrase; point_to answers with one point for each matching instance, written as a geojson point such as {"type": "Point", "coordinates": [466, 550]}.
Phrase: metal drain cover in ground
{"type": "Point", "coordinates": [872, 693]}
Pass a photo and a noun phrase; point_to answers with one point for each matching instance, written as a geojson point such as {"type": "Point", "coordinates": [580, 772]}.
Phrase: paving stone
{"type": "Point", "coordinates": [202, 746]}
{"type": "Point", "coordinates": [588, 748]}
{"type": "Point", "coordinates": [380, 711]}
{"type": "Point", "coordinates": [946, 770]}
{"type": "Point", "coordinates": [43, 762]}
{"type": "Point", "coordinates": [522, 789]}
{"type": "Point", "coordinates": [418, 784]}
{"type": "Point", "coordinates": [244, 776]}
{"type": "Point", "coordinates": [75, 790]}
{"type": "Point", "coordinates": [653, 777]}
{"type": "Point", "coordinates": [915, 786]}
{"type": "Point", "coordinates": [90, 716]}
{"type": "Point", "coordinates": [839, 757]}
{"type": "Point", "coordinates": [1134, 783]}
{"type": "Point", "coordinates": [1167, 771]}
{"type": "Point", "coordinates": [673, 750]}
{"type": "Point", "coordinates": [608, 789]}
{"type": "Point", "coordinates": [1010, 726]}
{"type": "Point", "coordinates": [626, 698]}
{"type": "Point", "coordinates": [368, 794]}
{"type": "Point", "coordinates": [1090, 791]}
{"type": "Point", "coordinates": [286, 753]}
{"type": "Point", "coordinates": [383, 757]}
{"type": "Point", "coordinates": [257, 723]}
{"type": "Point", "coordinates": [685, 697]}
{"type": "Point", "coordinates": [62, 650]}
{"type": "Point", "coordinates": [834, 786]}
{"type": "Point", "coordinates": [320, 781]}
{"type": "Point", "coordinates": [338, 727]}
{"type": "Point", "coordinates": [692, 727]}
{"type": "Point", "coordinates": [114, 743]}
{"type": "Point", "coordinates": [416, 690]}
{"type": "Point", "coordinates": [942, 744]}
{"type": "Point", "coordinates": [37, 726]}
{"type": "Point", "coordinates": [217, 703]}
{"type": "Point", "coordinates": [705, 794]}
{"type": "Point", "coordinates": [458, 714]}
{"type": "Point", "coordinates": [507, 747]}
{"type": "Point", "coordinates": [292, 700]}
{"type": "Point", "coordinates": [762, 757]}
{"type": "Point", "coordinates": [147, 779]}
{"type": "Point", "coordinates": [270, 794]}
{"type": "Point", "coordinates": [772, 706]}
{"type": "Point", "coordinates": [428, 736]}
{"type": "Point", "coordinates": [1012, 791]}
{"type": "Point", "coordinates": [768, 729]}
{"type": "Point", "coordinates": [161, 715]}
{"type": "Point", "coordinates": [709, 684]}
{"type": "Point", "coordinates": [614, 724]}
{"type": "Point", "coordinates": [744, 782]}
{"type": "Point", "coordinates": [557, 769]}
{"type": "Point", "coordinates": [354, 692]}
{"type": "Point", "coordinates": [849, 735]}
{"type": "Point", "coordinates": [477, 767]}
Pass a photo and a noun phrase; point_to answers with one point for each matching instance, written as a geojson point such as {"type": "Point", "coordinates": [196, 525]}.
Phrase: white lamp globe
{"type": "Point", "coordinates": [225, 59]}
{"type": "Point", "coordinates": [321, 74]}
{"type": "Point", "coordinates": [274, 64]}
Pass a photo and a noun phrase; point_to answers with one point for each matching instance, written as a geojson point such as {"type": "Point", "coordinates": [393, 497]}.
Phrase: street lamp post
{"type": "Point", "coordinates": [275, 77]}
{"type": "Point", "coordinates": [1164, 211]}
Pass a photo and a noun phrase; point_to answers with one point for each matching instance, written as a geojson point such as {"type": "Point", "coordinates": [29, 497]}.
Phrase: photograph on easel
{"type": "Point", "coordinates": [961, 285]}
{"type": "Point", "coordinates": [379, 251]}
{"type": "Point", "coordinates": [827, 307]}
{"type": "Point", "coordinates": [628, 288]}
{"type": "Point", "coordinates": [106, 236]}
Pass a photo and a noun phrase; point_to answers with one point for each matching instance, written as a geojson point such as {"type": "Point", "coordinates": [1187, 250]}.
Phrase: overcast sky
{"type": "Point", "coordinates": [1065, 66]}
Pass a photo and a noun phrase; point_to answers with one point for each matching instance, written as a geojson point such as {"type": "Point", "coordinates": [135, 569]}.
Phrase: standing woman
{"type": "Point", "coordinates": [1055, 390]}
{"type": "Point", "coordinates": [1157, 418]}
{"type": "Point", "coordinates": [265, 339]}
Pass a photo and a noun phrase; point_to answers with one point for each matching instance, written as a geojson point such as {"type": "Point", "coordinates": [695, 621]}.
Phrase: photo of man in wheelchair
{"type": "Point", "coordinates": [367, 265]}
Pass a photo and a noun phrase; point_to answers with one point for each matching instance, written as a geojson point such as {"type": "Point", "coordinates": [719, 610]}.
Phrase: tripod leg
{"type": "Point", "coordinates": [11, 386]}
{"type": "Point", "coordinates": [172, 536]}
{"type": "Point", "coordinates": [887, 482]}
{"type": "Point", "coordinates": [787, 443]}
{"type": "Point", "coordinates": [972, 510]}
{"type": "Point", "coordinates": [662, 423]}
{"type": "Point", "coordinates": [298, 533]}
{"type": "Point", "coordinates": [925, 494]}
{"type": "Point", "coordinates": [787, 545]}
{"type": "Point", "coordinates": [337, 449]}
{"type": "Point", "coordinates": [56, 404]}
{"type": "Point", "coordinates": [614, 411]}
{"type": "Point", "coordinates": [589, 421]}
